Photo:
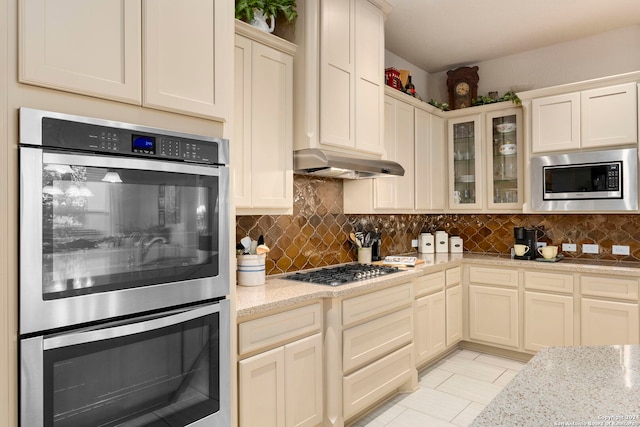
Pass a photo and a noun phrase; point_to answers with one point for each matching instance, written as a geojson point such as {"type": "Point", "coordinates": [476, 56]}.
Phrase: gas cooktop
{"type": "Point", "coordinates": [343, 274]}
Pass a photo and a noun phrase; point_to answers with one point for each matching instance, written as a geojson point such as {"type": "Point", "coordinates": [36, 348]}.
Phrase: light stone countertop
{"type": "Point", "coordinates": [571, 386]}
{"type": "Point", "coordinates": [279, 293]}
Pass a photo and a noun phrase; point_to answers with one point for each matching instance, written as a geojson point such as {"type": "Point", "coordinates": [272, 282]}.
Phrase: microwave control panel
{"type": "Point", "coordinates": [613, 177]}
{"type": "Point", "coordinates": [88, 137]}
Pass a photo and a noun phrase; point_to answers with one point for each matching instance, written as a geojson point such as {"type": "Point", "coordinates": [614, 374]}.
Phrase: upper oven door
{"type": "Point", "coordinates": [108, 236]}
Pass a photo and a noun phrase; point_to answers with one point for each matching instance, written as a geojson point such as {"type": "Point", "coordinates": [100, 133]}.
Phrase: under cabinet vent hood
{"type": "Point", "coordinates": [313, 161]}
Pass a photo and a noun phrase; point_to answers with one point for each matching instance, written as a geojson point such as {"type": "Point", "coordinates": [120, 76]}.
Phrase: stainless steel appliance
{"type": "Point", "coordinates": [342, 274]}
{"type": "Point", "coordinates": [124, 273]}
{"type": "Point", "coordinates": [117, 219]}
{"type": "Point", "coordinates": [168, 369]}
{"type": "Point", "coordinates": [585, 181]}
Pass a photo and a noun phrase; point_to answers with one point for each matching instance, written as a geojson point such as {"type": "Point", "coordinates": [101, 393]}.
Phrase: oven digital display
{"type": "Point", "coordinates": [143, 144]}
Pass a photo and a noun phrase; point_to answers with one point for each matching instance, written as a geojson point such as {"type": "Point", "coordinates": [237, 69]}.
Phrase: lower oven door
{"type": "Point", "coordinates": [163, 370]}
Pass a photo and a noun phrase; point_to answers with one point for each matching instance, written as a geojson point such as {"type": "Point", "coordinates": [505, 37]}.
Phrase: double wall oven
{"type": "Point", "coordinates": [124, 273]}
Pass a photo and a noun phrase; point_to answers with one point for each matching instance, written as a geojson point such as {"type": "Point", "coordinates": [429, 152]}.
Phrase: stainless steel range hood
{"type": "Point", "coordinates": [313, 161]}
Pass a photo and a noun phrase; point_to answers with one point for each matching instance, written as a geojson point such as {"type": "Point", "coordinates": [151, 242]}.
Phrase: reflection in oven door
{"type": "Point", "coordinates": [164, 370]}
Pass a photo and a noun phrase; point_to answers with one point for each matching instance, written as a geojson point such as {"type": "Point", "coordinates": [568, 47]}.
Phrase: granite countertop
{"type": "Point", "coordinates": [571, 386]}
{"type": "Point", "coordinates": [278, 292]}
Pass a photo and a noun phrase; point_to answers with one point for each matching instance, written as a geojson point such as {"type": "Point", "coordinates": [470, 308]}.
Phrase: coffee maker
{"type": "Point", "coordinates": [528, 237]}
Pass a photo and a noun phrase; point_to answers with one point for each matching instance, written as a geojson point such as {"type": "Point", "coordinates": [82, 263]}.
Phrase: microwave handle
{"type": "Point", "coordinates": [136, 327]}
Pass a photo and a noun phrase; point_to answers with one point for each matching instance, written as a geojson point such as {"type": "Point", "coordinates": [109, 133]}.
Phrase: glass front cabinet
{"type": "Point", "coordinates": [465, 166]}
{"type": "Point", "coordinates": [504, 150]}
{"type": "Point", "coordinates": [485, 161]}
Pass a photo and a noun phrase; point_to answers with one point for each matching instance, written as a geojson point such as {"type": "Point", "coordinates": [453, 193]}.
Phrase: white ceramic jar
{"type": "Point", "coordinates": [426, 243]}
{"type": "Point", "coordinates": [442, 242]}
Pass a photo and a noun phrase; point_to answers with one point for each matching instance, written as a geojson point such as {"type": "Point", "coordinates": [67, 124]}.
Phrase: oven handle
{"type": "Point", "coordinates": [138, 326]}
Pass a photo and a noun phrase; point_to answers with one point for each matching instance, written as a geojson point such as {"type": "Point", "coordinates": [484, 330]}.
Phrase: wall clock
{"type": "Point", "coordinates": [462, 85]}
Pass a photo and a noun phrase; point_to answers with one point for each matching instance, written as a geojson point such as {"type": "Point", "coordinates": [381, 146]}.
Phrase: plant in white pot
{"type": "Point", "coordinates": [256, 12]}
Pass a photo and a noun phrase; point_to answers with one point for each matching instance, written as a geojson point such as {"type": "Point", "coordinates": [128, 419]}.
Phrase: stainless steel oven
{"type": "Point", "coordinates": [117, 219]}
{"type": "Point", "coordinates": [124, 274]}
{"type": "Point", "coordinates": [169, 369]}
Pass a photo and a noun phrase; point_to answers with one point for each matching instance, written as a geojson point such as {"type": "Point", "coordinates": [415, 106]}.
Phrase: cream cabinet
{"type": "Point", "coordinates": [430, 316]}
{"type": "Point", "coordinates": [598, 117]}
{"type": "Point", "coordinates": [377, 348]}
{"type": "Point", "coordinates": [494, 306]}
{"type": "Point", "coordinates": [280, 369]}
{"type": "Point", "coordinates": [414, 138]}
{"type": "Point", "coordinates": [261, 150]}
{"type": "Point", "coordinates": [485, 151]}
{"type": "Point", "coordinates": [158, 54]}
{"type": "Point", "coordinates": [454, 314]}
{"type": "Point", "coordinates": [339, 86]}
{"type": "Point", "coordinates": [609, 312]}
{"type": "Point", "coordinates": [548, 320]}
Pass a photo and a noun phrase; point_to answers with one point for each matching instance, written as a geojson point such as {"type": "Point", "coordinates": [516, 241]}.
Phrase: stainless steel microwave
{"type": "Point", "coordinates": [585, 181]}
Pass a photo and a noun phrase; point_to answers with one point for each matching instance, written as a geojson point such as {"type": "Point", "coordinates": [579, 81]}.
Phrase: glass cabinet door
{"type": "Point", "coordinates": [464, 146]}
{"type": "Point", "coordinates": [504, 145]}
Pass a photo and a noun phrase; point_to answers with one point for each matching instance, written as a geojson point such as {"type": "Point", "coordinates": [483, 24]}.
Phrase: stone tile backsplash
{"type": "Point", "coordinates": [316, 235]}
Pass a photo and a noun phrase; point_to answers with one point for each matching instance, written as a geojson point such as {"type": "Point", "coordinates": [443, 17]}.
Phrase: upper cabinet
{"type": "Point", "coordinates": [592, 118]}
{"type": "Point", "coordinates": [485, 159]}
{"type": "Point", "coordinates": [339, 78]}
{"type": "Point", "coordinates": [159, 54]}
{"type": "Point", "coordinates": [261, 152]}
{"type": "Point", "coordinates": [413, 137]}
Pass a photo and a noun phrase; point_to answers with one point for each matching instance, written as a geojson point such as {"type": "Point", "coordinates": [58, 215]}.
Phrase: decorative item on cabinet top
{"type": "Point", "coordinates": [256, 12]}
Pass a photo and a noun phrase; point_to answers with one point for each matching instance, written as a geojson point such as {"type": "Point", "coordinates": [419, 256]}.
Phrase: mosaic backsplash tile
{"type": "Point", "coordinates": [317, 234]}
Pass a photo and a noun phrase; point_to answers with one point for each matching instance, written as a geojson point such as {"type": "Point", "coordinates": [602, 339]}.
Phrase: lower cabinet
{"type": "Point", "coordinates": [454, 315]}
{"type": "Point", "coordinates": [430, 330]}
{"type": "Point", "coordinates": [548, 320]}
{"type": "Point", "coordinates": [280, 369]}
{"type": "Point", "coordinates": [283, 386]}
{"type": "Point", "coordinates": [608, 322]}
{"type": "Point", "coordinates": [493, 315]}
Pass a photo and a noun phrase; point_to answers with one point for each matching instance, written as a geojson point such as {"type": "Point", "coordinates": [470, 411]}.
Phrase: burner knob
{"type": "Point", "coordinates": [358, 275]}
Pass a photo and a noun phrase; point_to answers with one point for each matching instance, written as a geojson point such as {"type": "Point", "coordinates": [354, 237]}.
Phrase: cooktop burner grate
{"type": "Point", "coordinates": [343, 274]}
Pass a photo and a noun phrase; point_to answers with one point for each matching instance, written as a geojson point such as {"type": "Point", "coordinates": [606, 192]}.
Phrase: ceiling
{"type": "Point", "coordinates": [438, 35]}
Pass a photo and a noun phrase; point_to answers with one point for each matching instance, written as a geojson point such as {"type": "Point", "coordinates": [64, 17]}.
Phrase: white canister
{"type": "Point", "coordinates": [425, 243]}
{"type": "Point", "coordinates": [251, 270]}
{"type": "Point", "coordinates": [455, 244]}
{"type": "Point", "coordinates": [442, 241]}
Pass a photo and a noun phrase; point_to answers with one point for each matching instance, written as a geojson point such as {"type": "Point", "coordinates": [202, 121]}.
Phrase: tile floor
{"type": "Point", "coordinates": [452, 392]}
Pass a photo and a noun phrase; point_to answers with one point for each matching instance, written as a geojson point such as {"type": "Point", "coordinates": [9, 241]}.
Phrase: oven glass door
{"type": "Point", "coordinates": [162, 371]}
{"type": "Point", "coordinates": [95, 225]}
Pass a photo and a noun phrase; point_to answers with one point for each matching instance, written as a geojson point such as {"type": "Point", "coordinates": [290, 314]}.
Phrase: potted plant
{"type": "Point", "coordinates": [256, 12]}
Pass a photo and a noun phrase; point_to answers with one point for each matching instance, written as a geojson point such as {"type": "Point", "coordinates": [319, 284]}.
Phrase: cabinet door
{"type": "Point", "coordinates": [303, 382]}
{"type": "Point", "coordinates": [337, 91]}
{"type": "Point", "coordinates": [465, 173]}
{"type": "Point", "coordinates": [608, 322]}
{"type": "Point", "coordinates": [493, 315]}
{"type": "Point", "coordinates": [261, 390]}
{"type": "Point", "coordinates": [430, 164]}
{"type": "Point", "coordinates": [186, 57]}
{"type": "Point", "coordinates": [548, 320]}
{"type": "Point", "coordinates": [429, 338]}
{"type": "Point", "coordinates": [555, 123]}
{"type": "Point", "coordinates": [454, 315]}
{"type": "Point", "coordinates": [240, 149]}
{"type": "Point", "coordinates": [504, 151]}
{"type": "Point", "coordinates": [96, 50]}
{"type": "Point", "coordinates": [609, 116]}
{"type": "Point", "coordinates": [394, 193]}
{"type": "Point", "coordinates": [369, 83]}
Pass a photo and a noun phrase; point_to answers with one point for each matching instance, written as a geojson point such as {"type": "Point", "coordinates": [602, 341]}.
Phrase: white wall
{"type": "Point", "coordinates": [419, 77]}
{"type": "Point", "coordinates": [605, 54]}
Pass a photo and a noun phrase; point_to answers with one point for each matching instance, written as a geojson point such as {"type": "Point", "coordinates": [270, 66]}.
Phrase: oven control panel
{"type": "Point", "coordinates": [137, 141]}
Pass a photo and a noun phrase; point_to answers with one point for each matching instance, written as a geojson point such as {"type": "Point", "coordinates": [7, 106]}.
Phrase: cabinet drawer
{"type": "Point", "coordinates": [609, 287]}
{"type": "Point", "coordinates": [454, 276]}
{"type": "Point", "coordinates": [279, 329]}
{"type": "Point", "coordinates": [494, 276]}
{"type": "Point", "coordinates": [429, 283]}
{"type": "Point", "coordinates": [376, 303]}
{"type": "Point", "coordinates": [371, 340]}
{"type": "Point", "coordinates": [545, 281]}
{"type": "Point", "coordinates": [370, 384]}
